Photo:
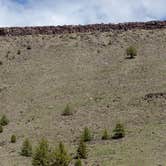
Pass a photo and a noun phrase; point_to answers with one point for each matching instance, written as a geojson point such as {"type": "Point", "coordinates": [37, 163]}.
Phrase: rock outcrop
{"type": "Point", "coordinates": [48, 30]}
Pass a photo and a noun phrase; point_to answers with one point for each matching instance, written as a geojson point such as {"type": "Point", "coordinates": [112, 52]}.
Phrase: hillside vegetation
{"type": "Point", "coordinates": [55, 86]}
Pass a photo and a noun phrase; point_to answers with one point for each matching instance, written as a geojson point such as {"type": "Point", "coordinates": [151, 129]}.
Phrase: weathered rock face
{"type": "Point", "coordinates": [14, 31]}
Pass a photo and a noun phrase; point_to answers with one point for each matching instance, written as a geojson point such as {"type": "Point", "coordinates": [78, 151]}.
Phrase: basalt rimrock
{"type": "Point", "coordinates": [48, 30]}
{"type": "Point", "coordinates": [152, 96]}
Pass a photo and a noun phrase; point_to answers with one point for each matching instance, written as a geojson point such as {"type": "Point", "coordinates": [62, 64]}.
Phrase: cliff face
{"type": "Point", "coordinates": [14, 31]}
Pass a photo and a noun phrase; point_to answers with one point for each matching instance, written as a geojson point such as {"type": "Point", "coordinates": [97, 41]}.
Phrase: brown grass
{"type": "Point", "coordinates": [90, 72]}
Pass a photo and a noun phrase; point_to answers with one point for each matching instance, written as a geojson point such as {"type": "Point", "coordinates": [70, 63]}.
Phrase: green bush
{"type": "Point", "coordinates": [41, 156]}
{"type": "Point", "coordinates": [119, 131]}
{"type": "Point", "coordinates": [78, 163]}
{"type": "Point", "coordinates": [67, 111]}
{"type": "Point", "coordinates": [13, 139]}
{"type": "Point", "coordinates": [1, 128]}
{"type": "Point", "coordinates": [131, 52]}
{"type": "Point", "coordinates": [26, 149]}
{"type": "Point", "coordinates": [86, 136]}
{"type": "Point", "coordinates": [82, 152]}
{"type": "Point", "coordinates": [105, 135]}
{"type": "Point", "coordinates": [4, 120]}
{"type": "Point", "coordinates": [60, 157]}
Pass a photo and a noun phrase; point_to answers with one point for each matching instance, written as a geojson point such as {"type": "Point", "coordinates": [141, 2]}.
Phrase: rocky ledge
{"type": "Point", "coordinates": [48, 30]}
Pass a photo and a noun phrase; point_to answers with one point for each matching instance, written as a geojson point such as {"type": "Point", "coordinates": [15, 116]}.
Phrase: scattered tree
{"type": "Point", "coordinates": [4, 120]}
{"type": "Point", "coordinates": [60, 156]}
{"type": "Point", "coordinates": [41, 156]}
{"type": "Point", "coordinates": [86, 136]}
{"type": "Point", "coordinates": [26, 149]}
{"type": "Point", "coordinates": [82, 150]}
{"type": "Point", "coordinates": [131, 52]}
{"type": "Point", "coordinates": [13, 139]}
{"type": "Point", "coordinates": [119, 131]}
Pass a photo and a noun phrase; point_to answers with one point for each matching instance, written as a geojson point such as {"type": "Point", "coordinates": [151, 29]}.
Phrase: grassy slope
{"type": "Point", "coordinates": [90, 72]}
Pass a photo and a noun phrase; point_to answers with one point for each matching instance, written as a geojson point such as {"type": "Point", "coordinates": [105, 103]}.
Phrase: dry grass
{"type": "Point", "coordinates": [90, 72]}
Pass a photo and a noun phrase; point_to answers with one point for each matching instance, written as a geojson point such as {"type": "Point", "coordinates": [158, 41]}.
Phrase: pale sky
{"type": "Point", "coordinates": [64, 12]}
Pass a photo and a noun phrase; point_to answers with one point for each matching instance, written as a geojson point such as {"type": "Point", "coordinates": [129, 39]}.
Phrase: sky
{"type": "Point", "coordinates": [65, 12]}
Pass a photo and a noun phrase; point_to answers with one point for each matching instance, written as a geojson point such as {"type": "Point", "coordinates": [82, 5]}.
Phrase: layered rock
{"type": "Point", "coordinates": [14, 31]}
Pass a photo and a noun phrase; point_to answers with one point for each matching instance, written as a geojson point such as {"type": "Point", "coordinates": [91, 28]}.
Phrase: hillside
{"type": "Point", "coordinates": [42, 72]}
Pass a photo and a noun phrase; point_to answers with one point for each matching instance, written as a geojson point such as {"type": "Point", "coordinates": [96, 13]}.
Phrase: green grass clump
{"type": "Point", "coordinates": [67, 111]}
{"type": "Point", "coordinates": [82, 152]}
{"type": "Point", "coordinates": [4, 120]}
{"type": "Point", "coordinates": [105, 135]}
{"type": "Point", "coordinates": [119, 131]}
{"type": "Point", "coordinates": [26, 149]}
{"type": "Point", "coordinates": [86, 136]}
{"type": "Point", "coordinates": [131, 52]}
{"type": "Point", "coordinates": [13, 139]}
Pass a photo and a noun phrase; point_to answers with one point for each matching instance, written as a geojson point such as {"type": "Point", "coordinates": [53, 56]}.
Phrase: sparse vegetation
{"type": "Point", "coordinates": [86, 136]}
{"type": "Point", "coordinates": [119, 131]}
{"type": "Point", "coordinates": [4, 120]}
{"type": "Point", "coordinates": [100, 86]}
{"type": "Point", "coordinates": [13, 139]}
{"type": "Point", "coordinates": [67, 111]}
{"type": "Point", "coordinates": [26, 149]}
{"type": "Point", "coordinates": [131, 52]}
{"type": "Point", "coordinates": [105, 135]}
{"type": "Point", "coordinates": [82, 152]}
{"type": "Point", "coordinates": [41, 156]}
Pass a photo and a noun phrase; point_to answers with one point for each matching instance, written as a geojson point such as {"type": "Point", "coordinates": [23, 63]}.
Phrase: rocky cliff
{"type": "Point", "coordinates": [14, 31]}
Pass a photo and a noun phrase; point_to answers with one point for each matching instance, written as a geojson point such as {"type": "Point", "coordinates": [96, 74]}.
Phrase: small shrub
{"type": "Point", "coordinates": [26, 149]}
{"type": "Point", "coordinates": [105, 135]}
{"type": "Point", "coordinates": [131, 52]}
{"type": "Point", "coordinates": [78, 163]}
{"type": "Point", "coordinates": [119, 131]}
{"type": "Point", "coordinates": [18, 52]}
{"type": "Point", "coordinates": [13, 139]}
{"type": "Point", "coordinates": [60, 156]}
{"type": "Point", "coordinates": [86, 136]}
{"type": "Point", "coordinates": [1, 63]}
{"type": "Point", "coordinates": [1, 129]}
{"type": "Point", "coordinates": [29, 47]}
{"type": "Point", "coordinates": [41, 156]}
{"type": "Point", "coordinates": [82, 150]}
{"type": "Point", "coordinates": [67, 111]}
{"type": "Point", "coordinates": [4, 120]}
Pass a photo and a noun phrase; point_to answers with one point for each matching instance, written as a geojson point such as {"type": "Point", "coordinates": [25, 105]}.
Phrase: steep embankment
{"type": "Point", "coordinates": [41, 73]}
